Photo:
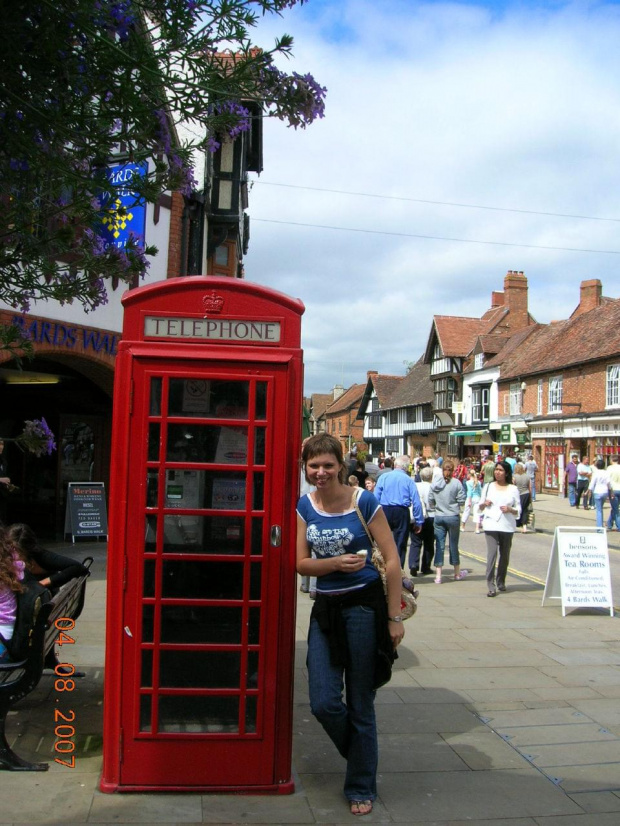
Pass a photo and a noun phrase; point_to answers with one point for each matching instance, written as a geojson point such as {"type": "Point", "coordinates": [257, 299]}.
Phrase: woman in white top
{"type": "Point", "coordinates": [500, 507]}
{"type": "Point", "coordinates": [599, 487]}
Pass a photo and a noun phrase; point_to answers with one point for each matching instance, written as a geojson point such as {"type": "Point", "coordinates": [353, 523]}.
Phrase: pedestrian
{"type": "Point", "coordinates": [613, 474]}
{"type": "Point", "coordinates": [370, 483]}
{"type": "Point", "coordinates": [501, 506]}
{"type": "Point", "coordinates": [473, 492]}
{"type": "Point", "coordinates": [5, 483]}
{"type": "Point", "coordinates": [570, 480]}
{"type": "Point", "coordinates": [487, 470]}
{"type": "Point", "coordinates": [600, 487]}
{"type": "Point", "coordinates": [396, 492]}
{"type": "Point", "coordinates": [11, 573]}
{"type": "Point", "coordinates": [352, 628]}
{"type": "Point", "coordinates": [360, 472]}
{"type": "Point", "coordinates": [522, 482]}
{"type": "Point", "coordinates": [446, 497]}
{"type": "Point", "coordinates": [48, 568]}
{"type": "Point", "coordinates": [584, 472]}
{"type": "Point", "coordinates": [531, 468]}
{"type": "Point", "coordinates": [422, 543]}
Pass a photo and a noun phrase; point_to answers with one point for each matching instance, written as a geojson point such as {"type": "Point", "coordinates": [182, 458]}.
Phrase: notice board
{"type": "Point", "coordinates": [578, 572]}
{"type": "Point", "coordinates": [86, 513]}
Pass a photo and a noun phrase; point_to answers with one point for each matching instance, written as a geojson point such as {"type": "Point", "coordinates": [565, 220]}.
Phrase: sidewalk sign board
{"type": "Point", "coordinates": [85, 513]}
{"type": "Point", "coordinates": [578, 572]}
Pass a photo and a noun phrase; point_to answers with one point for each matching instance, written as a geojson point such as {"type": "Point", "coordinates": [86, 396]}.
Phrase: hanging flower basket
{"type": "Point", "coordinates": [36, 438]}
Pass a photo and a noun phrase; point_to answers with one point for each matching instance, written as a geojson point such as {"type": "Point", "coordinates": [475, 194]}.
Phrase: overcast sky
{"type": "Point", "coordinates": [510, 106]}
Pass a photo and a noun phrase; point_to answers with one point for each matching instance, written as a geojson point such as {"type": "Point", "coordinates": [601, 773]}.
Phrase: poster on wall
{"type": "Point", "coordinates": [578, 573]}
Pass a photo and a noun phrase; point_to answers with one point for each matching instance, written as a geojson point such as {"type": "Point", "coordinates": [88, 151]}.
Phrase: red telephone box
{"type": "Point", "coordinates": [201, 570]}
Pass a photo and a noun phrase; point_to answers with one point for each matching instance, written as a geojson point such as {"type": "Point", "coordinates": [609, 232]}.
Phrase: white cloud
{"type": "Point", "coordinates": [517, 107]}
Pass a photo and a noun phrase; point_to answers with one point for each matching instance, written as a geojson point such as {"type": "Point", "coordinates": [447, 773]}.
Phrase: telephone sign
{"type": "Point", "coordinates": [201, 598]}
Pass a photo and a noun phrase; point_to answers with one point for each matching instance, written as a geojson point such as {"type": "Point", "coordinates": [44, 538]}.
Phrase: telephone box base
{"type": "Point", "coordinates": [288, 787]}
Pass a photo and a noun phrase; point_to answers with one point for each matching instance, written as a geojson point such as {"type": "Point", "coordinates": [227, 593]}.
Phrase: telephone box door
{"type": "Point", "coordinates": [201, 613]}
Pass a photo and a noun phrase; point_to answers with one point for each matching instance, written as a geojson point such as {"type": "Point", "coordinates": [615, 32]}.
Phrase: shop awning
{"type": "Point", "coordinates": [467, 432]}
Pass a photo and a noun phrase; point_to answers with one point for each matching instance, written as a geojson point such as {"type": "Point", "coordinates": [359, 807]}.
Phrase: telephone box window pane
{"type": "Point", "coordinates": [259, 446]}
{"type": "Point", "coordinates": [215, 398]}
{"type": "Point", "coordinates": [199, 714]}
{"type": "Point", "coordinates": [204, 534]}
{"type": "Point", "coordinates": [253, 669]}
{"type": "Point", "coordinates": [255, 580]}
{"type": "Point", "coordinates": [145, 712]}
{"type": "Point", "coordinates": [254, 626]}
{"type": "Point", "coordinates": [149, 578]}
{"type": "Point", "coordinates": [200, 624]}
{"type": "Point", "coordinates": [147, 669]}
{"type": "Point", "coordinates": [259, 491]}
{"type": "Point", "coordinates": [261, 400]}
{"type": "Point", "coordinates": [150, 535]}
{"type": "Point", "coordinates": [147, 623]}
{"type": "Point", "coordinates": [152, 488]}
{"type": "Point", "coordinates": [203, 489]}
{"type": "Point", "coordinates": [257, 535]}
{"type": "Point", "coordinates": [155, 406]}
{"type": "Point", "coordinates": [199, 669]}
{"type": "Point", "coordinates": [202, 580]}
{"type": "Point", "coordinates": [250, 714]}
{"type": "Point", "coordinates": [225, 491]}
{"type": "Point", "coordinates": [207, 443]}
{"type": "Point", "coordinates": [154, 434]}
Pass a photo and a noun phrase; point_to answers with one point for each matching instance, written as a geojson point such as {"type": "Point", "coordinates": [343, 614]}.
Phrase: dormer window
{"type": "Point", "coordinates": [478, 361]}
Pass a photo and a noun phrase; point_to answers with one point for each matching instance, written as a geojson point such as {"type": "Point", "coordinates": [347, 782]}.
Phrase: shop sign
{"type": "Point", "coordinates": [523, 437]}
{"type": "Point", "coordinates": [504, 435]}
{"type": "Point", "coordinates": [62, 335]}
{"type": "Point", "coordinates": [123, 215]}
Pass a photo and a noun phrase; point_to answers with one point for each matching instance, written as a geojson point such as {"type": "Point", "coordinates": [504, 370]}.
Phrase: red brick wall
{"type": "Point", "coordinates": [175, 241]}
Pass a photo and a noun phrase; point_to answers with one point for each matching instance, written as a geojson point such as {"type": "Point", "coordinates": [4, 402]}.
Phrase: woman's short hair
{"type": "Point", "coordinates": [448, 465]}
{"type": "Point", "coordinates": [324, 443]}
{"type": "Point", "coordinates": [600, 464]}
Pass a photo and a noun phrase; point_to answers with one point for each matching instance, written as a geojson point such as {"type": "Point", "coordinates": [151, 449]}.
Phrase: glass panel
{"type": "Point", "coordinates": [253, 669]}
{"type": "Point", "coordinates": [149, 578]}
{"type": "Point", "coordinates": [259, 491]}
{"type": "Point", "coordinates": [147, 669]}
{"type": "Point", "coordinates": [259, 446]}
{"type": "Point", "coordinates": [189, 624]}
{"type": "Point", "coordinates": [207, 443]}
{"type": "Point", "coordinates": [152, 488]}
{"type": "Point", "coordinates": [216, 398]}
{"type": "Point", "coordinates": [225, 491]}
{"type": "Point", "coordinates": [203, 580]}
{"type": "Point", "coordinates": [76, 449]}
{"type": "Point", "coordinates": [150, 534]}
{"type": "Point", "coordinates": [199, 714]}
{"type": "Point", "coordinates": [261, 400]}
{"type": "Point", "coordinates": [145, 712]}
{"type": "Point", "coordinates": [254, 626]}
{"type": "Point", "coordinates": [155, 406]}
{"type": "Point", "coordinates": [202, 489]}
{"type": "Point", "coordinates": [154, 437]}
{"type": "Point", "coordinates": [199, 669]}
{"type": "Point", "coordinates": [255, 580]}
{"type": "Point", "coordinates": [257, 535]}
{"type": "Point", "coordinates": [204, 534]}
{"type": "Point", "coordinates": [148, 618]}
{"type": "Point", "coordinates": [250, 714]}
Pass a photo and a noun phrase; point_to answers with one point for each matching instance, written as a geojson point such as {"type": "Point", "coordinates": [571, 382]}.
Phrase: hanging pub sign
{"type": "Point", "coordinates": [123, 214]}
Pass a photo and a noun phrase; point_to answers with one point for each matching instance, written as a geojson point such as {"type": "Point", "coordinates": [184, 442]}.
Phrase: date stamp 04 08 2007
{"type": "Point", "coordinates": [63, 730]}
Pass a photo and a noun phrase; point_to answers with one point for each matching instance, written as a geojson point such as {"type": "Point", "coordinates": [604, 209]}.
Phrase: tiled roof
{"type": "Point", "coordinates": [320, 403]}
{"type": "Point", "coordinates": [350, 398]}
{"type": "Point", "coordinates": [492, 344]}
{"type": "Point", "coordinates": [415, 388]}
{"type": "Point", "coordinates": [588, 337]}
{"type": "Point", "coordinates": [456, 334]}
{"type": "Point", "coordinates": [385, 386]}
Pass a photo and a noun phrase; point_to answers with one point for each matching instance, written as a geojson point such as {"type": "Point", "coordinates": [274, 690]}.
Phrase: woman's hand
{"type": "Point", "coordinates": [487, 503]}
{"type": "Point", "coordinates": [506, 508]}
{"type": "Point", "coordinates": [349, 563]}
{"type": "Point", "coordinates": [397, 632]}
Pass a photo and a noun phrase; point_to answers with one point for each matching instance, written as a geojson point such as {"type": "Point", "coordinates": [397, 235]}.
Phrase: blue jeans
{"type": "Point", "coordinates": [351, 726]}
{"type": "Point", "coordinates": [398, 519]}
{"type": "Point", "coordinates": [599, 501]}
{"type": "Point", "coordinates": [614, 516]}
{"type": "Point", "coordinates": [572, 494]}
{"type": "Point", "coordinates": [449, 525]}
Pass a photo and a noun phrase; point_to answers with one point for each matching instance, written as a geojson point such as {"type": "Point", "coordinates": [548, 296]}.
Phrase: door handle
{"type": "Point", "coordinates": [276, 536]}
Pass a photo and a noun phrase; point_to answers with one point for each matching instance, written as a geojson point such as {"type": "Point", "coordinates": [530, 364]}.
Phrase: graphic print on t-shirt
{"type": "Point", "coordinates": [330, 541]}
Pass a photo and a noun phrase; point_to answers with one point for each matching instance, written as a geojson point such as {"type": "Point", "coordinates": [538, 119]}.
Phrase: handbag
{"type": "Point", "coordinates": [408, 596]}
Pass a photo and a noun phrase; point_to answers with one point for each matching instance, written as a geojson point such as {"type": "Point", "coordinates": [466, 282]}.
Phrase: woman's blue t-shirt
{"type": "Point", "coordinates": [334, 534]}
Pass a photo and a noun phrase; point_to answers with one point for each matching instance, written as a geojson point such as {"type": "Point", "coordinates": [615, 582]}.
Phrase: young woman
{"type": "Point", "coordinates": [473, 492]}
{"type": "Point", "coordinates": [501, 507]}
{"type": "Point", "coordinates": [600, 488]}
{"type": "Point", "coordinates": [49, 569]}
{"type": "Point", "coordinates": [351, 627]}
{"type": "Point", "coordinates": [524, 486]}
{"type": "Point", "coordinates": [11, 572]}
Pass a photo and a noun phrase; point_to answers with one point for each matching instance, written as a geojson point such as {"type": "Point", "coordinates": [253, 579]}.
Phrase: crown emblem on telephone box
{"type": "Point", "coordinates": [212, 302]}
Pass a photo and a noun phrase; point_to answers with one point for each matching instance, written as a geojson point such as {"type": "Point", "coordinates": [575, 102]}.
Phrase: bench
{"type": "Point", "coordinates": [18, 679]}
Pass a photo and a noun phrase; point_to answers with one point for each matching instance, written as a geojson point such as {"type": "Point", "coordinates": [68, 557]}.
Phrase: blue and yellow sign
{"type": "Point", "coordinates": [123, 214]}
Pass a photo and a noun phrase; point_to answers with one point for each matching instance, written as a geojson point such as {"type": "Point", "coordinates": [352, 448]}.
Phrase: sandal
{"type": "Point", "coordinates": [437, 581]}
{"type": "Point", "coordinates": [462, 575]}
{"type": "Point", "coordinates": [356, 807]}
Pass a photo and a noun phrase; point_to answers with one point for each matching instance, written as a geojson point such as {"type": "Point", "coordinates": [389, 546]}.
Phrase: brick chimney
{"type": "Point", "coordinates": [515, 299]}
{"type": "Point", "coordinates": [370, 373]}
{"type": "Point", "coordinates": [497, 298]}
{"type": "Point", "coordinates": [591, 294]}
{"type": "Point", "coordinates": [338, 391]}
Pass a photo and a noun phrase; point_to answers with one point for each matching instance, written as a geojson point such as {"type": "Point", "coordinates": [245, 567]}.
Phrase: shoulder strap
{"type": "Point", "coordinates": [355, 502]}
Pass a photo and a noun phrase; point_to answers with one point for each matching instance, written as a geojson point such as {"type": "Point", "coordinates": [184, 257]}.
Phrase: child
{"type": "Point", "coordinates": [50, 569]}
{"type": "Point", "coordinates": [11, 572]}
